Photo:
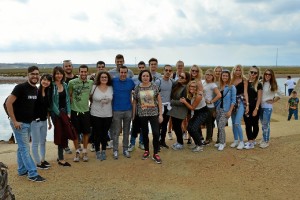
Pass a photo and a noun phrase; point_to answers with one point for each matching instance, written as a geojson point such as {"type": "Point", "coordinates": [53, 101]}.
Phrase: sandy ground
{"type": "Point", "coordinates": [271, 173]}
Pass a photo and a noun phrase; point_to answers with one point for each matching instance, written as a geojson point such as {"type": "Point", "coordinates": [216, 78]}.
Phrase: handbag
{"type": "Point", "coordinates": [91, 96]}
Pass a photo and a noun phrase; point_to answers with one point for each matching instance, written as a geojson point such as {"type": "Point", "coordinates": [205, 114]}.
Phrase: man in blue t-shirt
{"type": "Point", "coordinates": [122, 110]}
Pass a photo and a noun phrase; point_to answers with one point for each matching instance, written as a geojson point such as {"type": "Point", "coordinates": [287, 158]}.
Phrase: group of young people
{"type": "Point", "coordinates": [99, 107]}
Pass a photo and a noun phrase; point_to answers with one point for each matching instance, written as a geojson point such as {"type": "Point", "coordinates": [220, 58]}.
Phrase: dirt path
{"type": "Point", "coordinates": [271, 173]}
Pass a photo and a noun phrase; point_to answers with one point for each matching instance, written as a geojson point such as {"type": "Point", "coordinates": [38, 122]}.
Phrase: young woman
{"type": "Point", "coordinates": [224, 106]}
{"type": "Point", "coordinates": [241, 84]}
{"type": "Point", "coordinates": [101, 111]}
{"type": "Point", "coordinates": [269, 97]}
{"type": "Point", "coordinates": [39, 125]}
{"type": "Point", "coordinates": [196, 75]}
{"type": "Point", "coordinates": [211, 95]}
{"type": "Point", "coordinates": [200, 113]}
{"type": "Point", "coordinates": [251, 118]}
{"type": "Point", "coordinates": [148, 102]}
{"type": "Point", "coordinates": [60, 104]}
{"type": "Point", "coordinates": [179, 111]}
{"type": "Point", "coordinates": [217, 72]}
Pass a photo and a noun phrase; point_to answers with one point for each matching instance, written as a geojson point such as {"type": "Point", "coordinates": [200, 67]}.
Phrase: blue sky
{"type": "Point", "coordinates": [206, 32]}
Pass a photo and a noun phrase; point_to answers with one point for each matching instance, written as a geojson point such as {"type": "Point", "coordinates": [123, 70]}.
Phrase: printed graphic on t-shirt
{"type": "Point", "coordinates": [147, 99]}
{"type": "Point", "coordinates": [294, 103]}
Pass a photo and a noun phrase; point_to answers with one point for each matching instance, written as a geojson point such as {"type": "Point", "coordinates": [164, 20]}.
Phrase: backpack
{"type": "Point", "coordinates": [4, 106]}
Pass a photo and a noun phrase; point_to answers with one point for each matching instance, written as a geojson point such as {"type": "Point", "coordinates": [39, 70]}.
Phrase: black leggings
{"type": "Point", "coordinates": [100, 128]}
{"type": "Point", "coordinates": [251, 124]}
{"type": "Point", "coordinates": [176, 123]}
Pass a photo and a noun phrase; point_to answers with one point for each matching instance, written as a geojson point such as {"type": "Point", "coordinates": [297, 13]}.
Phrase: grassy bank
{"type": "Point", "coordinates": [279, 71]}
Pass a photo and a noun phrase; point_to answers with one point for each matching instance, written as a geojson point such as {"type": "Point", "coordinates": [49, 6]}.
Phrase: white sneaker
{"type": "Point", "coordinates": [264, 145]}
{"type": "Point", "coordinates": [116, 156]}
{"type": "Point", "coordinates": [241, 145]}
{"type": "Point", "coordinates": [141, 146]}
{"type": "Point", "coordinates": [92, 149]}
{"type": "Point", "coordinates": [177, 147]}
{"type": "Point", "coordinates": [217, 145]}
{"type": "Point", "coordinates": [234, 144]}
{"type": "Point", "coordinates": [77, 157]}
{"type": "Point", "coordinates": [249, 145]}
{"type": "Point", "coordinates": [170, 137]}
{"type": "Point", "coordinates": [126, 154]}
{"type": "Point", "coordinates": [85, 157]}
{"type": "Point", "coordinates": [197, 149]}
{"type": "Point", "coordinates": [110, 145]}
{"type": "Point", "coordinates": [131, 148]}
{"type": "Point", "coordinates": [221, 147]}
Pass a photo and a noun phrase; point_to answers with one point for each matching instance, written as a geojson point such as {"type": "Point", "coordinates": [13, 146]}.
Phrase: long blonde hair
{"type": "Point", "coordinates": [256, 81]}
{"type": "Point", "coordinates": [233, 76]}
{"type": "Point", "coordinates": [188, 93]}
{"type": "Point", "coordinates": [199, 76]}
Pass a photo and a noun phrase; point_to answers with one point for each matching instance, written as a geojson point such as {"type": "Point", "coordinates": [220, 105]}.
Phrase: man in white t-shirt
{"type": "Point", "coordinates": [290, 84]}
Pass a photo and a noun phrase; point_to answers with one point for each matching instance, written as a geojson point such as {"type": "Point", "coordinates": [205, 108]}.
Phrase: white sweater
{"type": "Point", "coordinates": [267, 94]}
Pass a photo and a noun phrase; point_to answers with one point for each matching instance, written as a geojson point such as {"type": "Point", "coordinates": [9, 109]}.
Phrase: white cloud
{"type": "Point", "coordinates": [235, 31]}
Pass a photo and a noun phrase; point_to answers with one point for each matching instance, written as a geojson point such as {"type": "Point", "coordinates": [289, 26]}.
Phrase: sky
{"type": "Point", "coordinates": [203, 32]}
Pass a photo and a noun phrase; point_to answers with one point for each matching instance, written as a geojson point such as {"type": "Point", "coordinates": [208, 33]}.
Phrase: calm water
{"type": "Point", "coordinates": [5, 129]}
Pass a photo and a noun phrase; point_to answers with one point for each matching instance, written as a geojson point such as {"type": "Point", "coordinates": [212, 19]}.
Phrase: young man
{"type": "Point", "coordinates": [165, 84]}
{"type": "Point", "coordinates": [136, 128]}
{"type": "Point", "coordinates": [79, 90]}
{"type": "Point", "coordinates": [153, 65]}
{"type": "Point", "coordinates": [290, 83]}
{"type": "Point", "coordinates": [179, 70]}
{"type": "Point", "coordinates": [119, 61]}
{"type": "Point", "coordinates": [122, 110]}
{"type": "Point", "coordinates": [68, 69]}
{"type": "Point", "coordinates": [100, 66]}
{"type": "Point", "coordinates": [20, 107]}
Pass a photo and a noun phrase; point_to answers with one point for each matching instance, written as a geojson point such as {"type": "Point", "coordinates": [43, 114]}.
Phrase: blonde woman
{"type": "Point", "coordinates": [224, 106]}
{"type": "Point", "coordinates": [269, 97]}
{"type": "Point", "coordinates": [217, 72]}
{"type": "Point", "coordinates": [200, 113]}
{"type": "Point", "coordinates": [211, 95]}
{"type": "Point", "coordinates": [240, 82]}
{"type": "Point", "coordinates": [251, 118]}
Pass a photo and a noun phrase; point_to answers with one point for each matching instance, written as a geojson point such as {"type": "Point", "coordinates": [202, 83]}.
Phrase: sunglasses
{"type": "Point", "coordinates": [267, 74]}
{"type": "Point", "coordinates": [208, 74]}
{"type": "Point", "coordinates": [168, 70]}
{"type": "Point", "coordinates": [253, 72]}
{"type": "Point", "coordinates": [194, 70]}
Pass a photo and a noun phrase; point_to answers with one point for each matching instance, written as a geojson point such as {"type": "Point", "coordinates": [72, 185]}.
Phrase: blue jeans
{"type": "Point", "coordinates": [236, 118]}
{"type": "Point", "coordinates": [38, 138]}
{"type": "Point", "coordinates": [265, 118]}
{"type": "Point", "coordinates": [25, 162]}
{"type": "Point", "coordinates": [293, 112]}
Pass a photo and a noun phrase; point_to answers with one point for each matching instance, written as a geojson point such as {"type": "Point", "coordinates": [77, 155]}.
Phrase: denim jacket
{"type": "Point", "coordinates": [228, 99]}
